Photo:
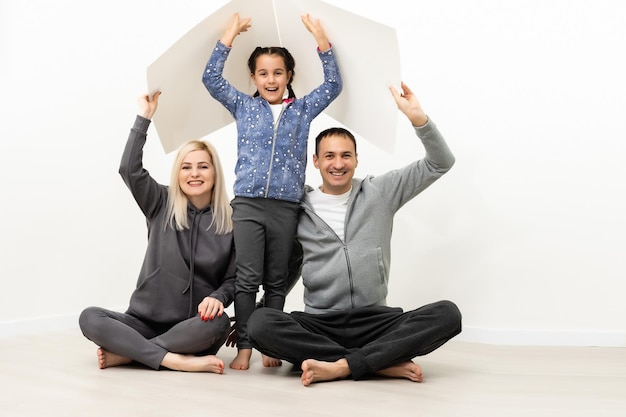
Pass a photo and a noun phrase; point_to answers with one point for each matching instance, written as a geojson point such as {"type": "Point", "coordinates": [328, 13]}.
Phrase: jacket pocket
{"type": "Point", "coordinates": [160, 297]}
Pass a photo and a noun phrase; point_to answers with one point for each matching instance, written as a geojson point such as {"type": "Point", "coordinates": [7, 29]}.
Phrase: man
{"type": "Point", "coordinates": [345, 228]}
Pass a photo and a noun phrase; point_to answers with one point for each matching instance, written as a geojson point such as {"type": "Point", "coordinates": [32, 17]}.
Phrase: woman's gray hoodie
{"type": "Point", "coordinates": [180, 267]}
{"type": "Point", "coordinates": [341, 275]}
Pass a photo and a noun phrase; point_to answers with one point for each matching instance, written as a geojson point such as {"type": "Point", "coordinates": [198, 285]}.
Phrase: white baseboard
{"type": "Point", "coordinates": [38, 325]}
{"type": "Point", "coordinates": [518, 337]}
{"type": "Point", "coordinates": [528, 337]}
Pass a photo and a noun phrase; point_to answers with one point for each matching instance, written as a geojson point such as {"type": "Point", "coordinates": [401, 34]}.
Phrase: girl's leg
{"type": "Point", "coordinates": [249, 237]}
{"type": "Point", "coordinates": [281, 220]}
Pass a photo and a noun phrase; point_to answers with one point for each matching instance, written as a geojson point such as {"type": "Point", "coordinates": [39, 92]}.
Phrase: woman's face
{"type": "Point", "coordinates": [271, 77]}
{"type": "Point", "coordinates": [196, 178]}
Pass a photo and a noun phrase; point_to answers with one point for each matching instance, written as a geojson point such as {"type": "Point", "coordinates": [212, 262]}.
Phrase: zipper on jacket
{"type": "Point", "coordinates": [345, 250]}
{"type": "Point", "coordinates": [269, 173]}
{"type": "Point", "coordinates": [350, 280]}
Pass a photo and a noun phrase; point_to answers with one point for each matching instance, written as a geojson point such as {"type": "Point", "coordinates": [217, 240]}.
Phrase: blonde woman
{"type": "Point", "coordinates": [175, 319]}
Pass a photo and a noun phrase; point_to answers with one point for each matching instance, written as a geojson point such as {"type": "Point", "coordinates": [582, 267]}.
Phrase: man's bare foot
{"type": "Point", "coordinates": [318, 371]}
{"type": "Point", "coordinates": [192, 363]}
{"type": "Point", "coordinates": [409, 370]}
{"type": "Point", "coordinates": [108, 359]}
{"type": "Point", "coordinates": [242, 360]}
{"type": "Point", "coordinates": [270, 362]}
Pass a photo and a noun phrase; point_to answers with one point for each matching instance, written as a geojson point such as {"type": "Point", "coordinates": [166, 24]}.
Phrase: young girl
{"type": "Point", "coordinates": [176, 317]}
{"type": "Point", "coordinates": [272, 132]}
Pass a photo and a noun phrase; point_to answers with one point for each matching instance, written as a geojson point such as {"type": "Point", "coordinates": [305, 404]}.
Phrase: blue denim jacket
{"type": "Point", "coordinates": [271, 160]}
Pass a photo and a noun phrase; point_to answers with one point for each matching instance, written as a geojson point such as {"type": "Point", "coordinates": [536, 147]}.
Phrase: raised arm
{"type": "Point", "coordinates": [315, 27]}
{"type": "Point", "coordinates": [401, 185]}
{"type": "Point", "coordinates": [236, 27]}
{"type": "Point", "coordinates": [148, 194]}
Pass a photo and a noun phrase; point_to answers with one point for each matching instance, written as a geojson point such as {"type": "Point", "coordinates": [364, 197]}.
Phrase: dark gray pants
{"type": "Point", "coordinates": [147, 342]}
{"type": "Point", "coordinates": [264, 231]}
{"type": "Point", "coordinates": [370, 339]}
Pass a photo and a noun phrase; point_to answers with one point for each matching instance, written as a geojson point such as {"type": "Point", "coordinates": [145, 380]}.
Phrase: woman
{"type": "Point", "coordinates": [176, 317]}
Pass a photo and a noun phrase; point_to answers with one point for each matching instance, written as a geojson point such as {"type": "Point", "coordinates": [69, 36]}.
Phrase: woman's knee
{"type": "Point", "coordinates": [89, 319]}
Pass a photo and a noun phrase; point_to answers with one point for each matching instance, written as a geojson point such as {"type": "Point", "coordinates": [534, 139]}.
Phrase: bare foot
{"type": "Point", "coordinates": [192, 363]}
{"type": "Point", "coordinates": [409, 370]}
{"type": "Point", "coordinates": [318, 371]}
{"type": "Point", "coordinates": [270, 362]}
{"type": "Point", "coordinates": [242, 360]}
{"type": "Point", "coordinates": [107, 359]}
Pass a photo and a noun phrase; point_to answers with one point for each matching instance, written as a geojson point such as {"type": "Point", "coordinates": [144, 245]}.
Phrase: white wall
{"type": "Point", "coordinates": [526, 233]}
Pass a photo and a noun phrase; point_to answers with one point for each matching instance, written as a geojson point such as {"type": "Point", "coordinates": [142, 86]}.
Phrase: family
{"type": "Point", "coordinates": [205, 252]}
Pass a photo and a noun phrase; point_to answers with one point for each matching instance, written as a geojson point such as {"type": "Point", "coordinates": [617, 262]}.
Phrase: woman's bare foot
{"type": "Point", "coordinates": [318, 371]}
{"type": "Point", "coordinates": [409, 370]}
{"type": "Point", "coordinates": [270, 362]}
{"type": "Point", "coordinates": [242, 360]}
{"type": "Point", "coordinates": [192, 363]}
{"type": "Point", "coordinates": [108, 359]}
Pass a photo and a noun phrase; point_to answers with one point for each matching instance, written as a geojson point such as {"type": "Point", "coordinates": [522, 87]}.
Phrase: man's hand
{"type": "Point", "coordinates": [409, 105]}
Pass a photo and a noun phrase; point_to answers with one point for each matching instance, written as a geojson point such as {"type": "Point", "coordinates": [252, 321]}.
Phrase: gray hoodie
{"type": "Point", "coordinates": [341, 275]}
{"type": "Point", "coordinates": [180, 267]}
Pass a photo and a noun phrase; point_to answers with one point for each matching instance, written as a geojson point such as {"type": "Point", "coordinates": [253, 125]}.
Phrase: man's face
{"type": "Point", "coordinates": [336, 159]}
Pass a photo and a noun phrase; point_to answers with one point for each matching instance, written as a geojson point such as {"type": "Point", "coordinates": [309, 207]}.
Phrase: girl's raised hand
{"type": "Point", "coordinates": [315, 27]}
{"type": "Point", "coordinates": [236, 27]}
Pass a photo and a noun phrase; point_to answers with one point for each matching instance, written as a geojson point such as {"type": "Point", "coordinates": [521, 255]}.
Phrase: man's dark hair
{"type": "Point", "coordinates": [339, 131]}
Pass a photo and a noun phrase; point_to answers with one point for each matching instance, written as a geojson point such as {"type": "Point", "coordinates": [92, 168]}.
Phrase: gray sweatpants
{"type": "Point", "coordinates": [148, 342]}
{"type": "Point", "coordinates": [369, 338]}
{"type": "Point", "coordinates": [264, 231]}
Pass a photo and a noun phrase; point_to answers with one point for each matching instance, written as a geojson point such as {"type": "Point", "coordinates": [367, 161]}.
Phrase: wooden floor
{"type": "Point", "coordinates": [56, 374]}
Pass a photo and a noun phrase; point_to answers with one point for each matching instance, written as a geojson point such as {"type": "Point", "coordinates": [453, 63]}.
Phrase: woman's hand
{"type": "Point", "coordinates": [148, 105]}
{"type": "Point", "coordinates": [210, 308]}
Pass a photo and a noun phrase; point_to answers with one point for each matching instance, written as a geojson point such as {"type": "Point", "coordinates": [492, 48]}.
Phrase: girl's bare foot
{"type": "Point", "coordinates": [318, 371]}
{"type": "Point", "coordinates": [192, 363]}
{"type": "Point", "coordinates": [408, 370]}
{"type": "Point", "coordinates": [108, 359]}
{"type": "Point", "coordinates": [270, 362]}
{"type": "Point", "coordinates": [242, 360]}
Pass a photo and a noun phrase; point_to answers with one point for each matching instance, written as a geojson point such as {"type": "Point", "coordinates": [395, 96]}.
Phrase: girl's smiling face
{"type": "Point", "coordinates": [271, 78]}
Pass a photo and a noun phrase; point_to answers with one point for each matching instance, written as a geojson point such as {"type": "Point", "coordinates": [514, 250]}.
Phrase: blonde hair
{"type": "Point", "coordinates": [177, 201]}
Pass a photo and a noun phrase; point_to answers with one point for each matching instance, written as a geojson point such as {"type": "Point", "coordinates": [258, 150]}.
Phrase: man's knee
{"type": "Point", "coordinates": [264, 322]}
{"type": "Point", "coordinates": [450, 313]}
{"type": "Point", "coordinates": [256, 322]}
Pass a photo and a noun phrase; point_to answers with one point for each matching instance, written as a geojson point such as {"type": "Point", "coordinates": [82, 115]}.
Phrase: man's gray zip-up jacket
{"type": "Point", "coordinates": [342, 275]}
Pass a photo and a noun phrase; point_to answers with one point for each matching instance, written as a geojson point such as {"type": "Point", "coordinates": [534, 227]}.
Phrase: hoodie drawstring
{"type": "Point", "coordinates": [193, 241]}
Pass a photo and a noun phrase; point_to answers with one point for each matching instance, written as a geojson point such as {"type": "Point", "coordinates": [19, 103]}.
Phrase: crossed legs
{"type": "Point", "coordinates": [360, 342]}
{"type": "Point", "coordinates": [187, 346]}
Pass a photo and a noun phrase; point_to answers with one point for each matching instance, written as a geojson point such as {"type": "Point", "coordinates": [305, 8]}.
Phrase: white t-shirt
{"type": "Point", "coordinates": [276, 109]}
{"type": "Point", "coordinates": [331, 208]}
